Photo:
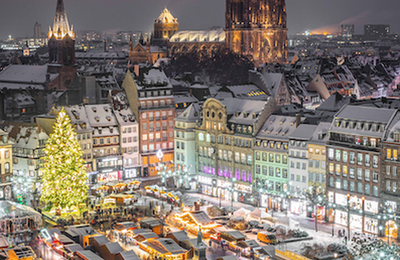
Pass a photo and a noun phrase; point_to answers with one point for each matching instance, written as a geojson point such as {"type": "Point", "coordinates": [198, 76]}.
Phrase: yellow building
{"type": "Point", "coordinates": [6, 162]}
{"type": "Point", "coordinates": [317, 157]}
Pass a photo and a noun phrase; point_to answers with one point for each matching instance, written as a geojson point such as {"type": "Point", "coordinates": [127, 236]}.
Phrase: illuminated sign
{"type": "Point", "coordinates": [109, 200]}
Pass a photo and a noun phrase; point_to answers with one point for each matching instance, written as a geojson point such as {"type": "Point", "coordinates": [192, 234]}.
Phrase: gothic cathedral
{"type": "Point", "coordinates": [257, 28]}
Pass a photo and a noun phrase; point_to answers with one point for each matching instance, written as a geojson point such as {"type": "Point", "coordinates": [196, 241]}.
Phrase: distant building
{"type": "Point", "coordinates": [376, 31]}
{"type": "Point", "coordinates": [164, 27]}
{"type": "Point", "coordinates": [6, 166]}
{"type": "Point", "coordinates": [347, 30]}
{"type": "Point", "coordinates": [37, 32]}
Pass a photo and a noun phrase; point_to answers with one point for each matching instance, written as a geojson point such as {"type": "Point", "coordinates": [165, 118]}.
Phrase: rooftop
{"type": "Point", "coordinates": [199, 36]}
{"type": "Point", "coordinates": [303, 132]}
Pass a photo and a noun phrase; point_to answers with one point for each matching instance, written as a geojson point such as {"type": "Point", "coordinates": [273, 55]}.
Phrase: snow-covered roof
{"type": "Point", "coordinates": [166, 17]}
{"type": "Point", "coordinates": [199, 36]}
{"type": "Point", "coordinates": [79, 118]}
{"type": "Point", "coordinates": [248, 110]}
{"type": "Point", "coordinates": [28, 74]}
{"type": "Point", "coordinates": [277, 127]}
{"type": "Point", "coordinates": [191, 114]}
{"type": "Point", "coordinates": [24, 135]}
{"type": "Point", "coordinates": [101, 115]}
{"type": "Point", "coordinates": [122, 110]}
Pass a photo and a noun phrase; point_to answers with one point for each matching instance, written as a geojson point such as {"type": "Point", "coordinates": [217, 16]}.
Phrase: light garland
{"type": "Point", "coordinates": [64, 174]}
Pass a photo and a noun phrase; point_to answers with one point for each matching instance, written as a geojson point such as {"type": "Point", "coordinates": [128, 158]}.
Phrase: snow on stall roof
{"type": "Point", "coordinates": [26, 73]}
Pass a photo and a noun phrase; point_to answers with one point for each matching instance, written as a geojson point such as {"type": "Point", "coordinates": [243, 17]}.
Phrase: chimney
{"type": "Point", "coordinates": [197, 206]}
{"type": "Point", "coordinates": [136, 69]}
{"type": "Point", "coordinates": [396, 136]}
{"type": "Point", "coordinates": [105, 45]}
{"type": "Point", "coordinates": [298, 120]}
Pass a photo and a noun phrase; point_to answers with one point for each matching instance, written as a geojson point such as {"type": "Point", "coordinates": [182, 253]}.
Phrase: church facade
{"type": "Point", "coordinates": [254, 28]}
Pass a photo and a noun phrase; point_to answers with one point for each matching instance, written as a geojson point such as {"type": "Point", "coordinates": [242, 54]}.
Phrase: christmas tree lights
{"type": "Point", "coordinates": [64, 174]}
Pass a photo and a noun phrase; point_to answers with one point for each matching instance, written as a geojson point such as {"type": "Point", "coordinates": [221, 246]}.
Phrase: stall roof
{"type": "Point", "coordinates": [9, 209]}
{"type": "Point", "coordinates": [73, 247]}
{"type": "Point", "coordinates": [140, 231]}
{"type": "Point", "coordinates": [202, 218]}
{"type": "Point", "coordinates": [165, 245]}
{"type": "Point", "coordinates": [88, 255]}
{"type": "Point", "coordinates": [249, 243]}
{"type": "Point", "coordinates": [114, 248]}
{"type": "Point", "coordinates": [180, 235]}
{"type": "Point", "coordinates": [228, 257]}
{"type": "Point", "coordinates": [128, 255]}
{"type": "Point", "coordinates": [148, 235]}
{"type": "Point", "coordinates": [101, 240]}
{"type": "Point", "coordinates": [235, 234]}
{"type": "Point", "coordinates": [152, 222]}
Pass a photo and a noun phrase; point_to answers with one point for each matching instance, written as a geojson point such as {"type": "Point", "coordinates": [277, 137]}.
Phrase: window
{"type": "Point", "coordinates": [310, 150]}
{"type": "Point", "coordinates": [6, 154]}
{"type": "Point", "coordinates": [292, 164]}
{"type": "Point", "coordinates": [338, 169]}
{"type": "Point", "coordinates": [317, 151]}
{"type": "Point", "coordinates": [243, 156]}
{"type": "Point", "coordinates": [278, 158]}
{"type": "Point", "coordinates": [367, 174]}
{"type": "Point", "coordinates": [311, 176]}
{"type": "Point", "coordinates": [303, 166]}
{"type": "Point", "coordinates": [331, 153]}
{"type": "Point", "coordinates": [7, 167]}
{"type": "Point", "coordinates": [337, 155]}
{"type": "Point", "coordinates": [258, 169]}
{"type": "Point", "coordinates": [344, 156]}
{"type": "Point", "coordinates": [278, 172]}
{"type": "Point", "coordinates": [249, 160]}
{"type": "Point", "coordinates": [394, 171]}
{"type": "Point", "coordinates": [298, 178]}
{"type": "Point", "coordinates": [359, 158]}
{"type": "Point", "coordinates": [271, 171]}
{"type": "Point", "coordinates": [304, 179]}
{"type": "Point", "coordinates": [284, 159]}
{"type": "Point", "coordinates": [352, 172]}
{"type": "Point", "coordinates": [352, 157]}
{"type": "Point", "coordinates": [237, 157]}
{"type": "Point", "coordinates": [331, 168]}
{"type": "Point", "coordinates": [352, 186]}
{"type": "Point", "coordinates": [292, 177]}
{"type": "Point", "coordinates": [297, 165]}
{"type": "Point", "coordinates": [338, 183]}
{"type": "Point", "coordinates": [264, 157]}
{"type": "Point", "coordinates": [264, 170]}
{"type": "Point", "coordinates": [317, 179]}
{"type": "Point", "coordinates": [208, 138]}
{"type": "Point", "coordinates": [345, 183]}
{"type": "Point", "coordinates": [359, 187]}
{"type": "Point", "coordinates": [388, 170]}
{"type": "Point", "coordinates": [375, 190]}
{"type": "Point", "coordinates": [344, 170]}
{"type": "Point", "coordinates": [303, 154]}
{"type": "Point", "coordinates": [284, 173]}
{"type": "Point", "coordinates": [359, 173]}
{"type": "Point", "coordinates": [367, 160]}
{"type": "Point", "coordinates": [375, 161]}
{"type": "Point", "coordinates": [271, 157]}
{"type": "Point", "coordinates": [230, 155]}
{"type": "Point", "coordinates": [394, 187]}
{"type": "Point", "coordinates": [201, 137]}
{"type": "Point", "coordinates": [375, 176]}
{"type": "Point", "coordinates": [330, 181]}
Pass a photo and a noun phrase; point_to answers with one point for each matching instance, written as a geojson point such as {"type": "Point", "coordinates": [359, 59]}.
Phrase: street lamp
{"type": "Point", "coordinates": [348, 216]}
{"type": "Point", "coordinates": [333, 206]}
{"type": "Point", "coordinates": [232, 189]}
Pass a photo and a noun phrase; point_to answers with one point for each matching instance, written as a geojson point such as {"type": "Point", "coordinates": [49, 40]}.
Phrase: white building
{"type": "Point", "coordinates": [185, 145]}
{"type": "Point", "coordinates": [106, 143]}
{"type": "Point", "coordinates": [29, 140]}
{"type": "Point", "coordinates": [298, 158]}
{"type": "Point", "coordinates": [129, 133]}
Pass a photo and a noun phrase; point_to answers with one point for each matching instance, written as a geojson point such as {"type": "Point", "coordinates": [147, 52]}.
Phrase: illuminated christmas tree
{"type": "Point", "coordinates": [64, 174]}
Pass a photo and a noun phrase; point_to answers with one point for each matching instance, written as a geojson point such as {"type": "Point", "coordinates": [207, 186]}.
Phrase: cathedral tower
{"type": "Point", "coordinates": [61, 49]}
{"type": "Point", "coordinates": [257, 28]}
{"type": "Point", "coordinates": [61, 39]}
{"type": "Point", "coordinates": [164, 27]}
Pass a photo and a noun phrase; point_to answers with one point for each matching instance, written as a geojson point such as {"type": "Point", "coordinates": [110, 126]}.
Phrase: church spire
{"type": "Point", "coordinates": [60, 25]}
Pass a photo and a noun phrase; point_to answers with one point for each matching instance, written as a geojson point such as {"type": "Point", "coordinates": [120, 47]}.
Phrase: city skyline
{"type": "Point", "coordinates": [139, 15]}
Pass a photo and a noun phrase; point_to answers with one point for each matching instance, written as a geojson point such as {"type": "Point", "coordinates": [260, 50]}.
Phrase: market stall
{"type": "Point", "coordinates": [17, 218]}
{"type": "Point", "coordinates": [261, 215]}
{"type": "Point", "coordinates": [133, 185]}
{"type": "Point", "coordinates": [121, 199]}
{"type": "Point", "coordinates": [119, 187]}
{"type": "Point", "coordinates": [241, 213]}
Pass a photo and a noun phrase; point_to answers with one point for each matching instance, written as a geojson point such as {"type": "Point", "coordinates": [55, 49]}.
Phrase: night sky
{"type": "Point", "coordinates": [17, 17]}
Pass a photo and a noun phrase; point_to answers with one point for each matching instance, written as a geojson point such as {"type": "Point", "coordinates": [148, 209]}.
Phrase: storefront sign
{"type": "Point", "coordinates": [371, 225]}
{"type": "Point", "coordinates": [355, 203]}
{"type": "Point", "coordinates": [371, 206]}
{"type": "Point", "coordinates": [204, 180]}
{"type": "Point", "coordinates": [392, 205]}
{"type": "Point", "coordinates": [109, 200]}
{"type": "Point", "coordinates": [243, 188]}
{"type": "Point", "coordinates": [224, 184]}
{"type": "Point", "coordinates": [341, 199]}
{"type": "Point", "coordinates": [130, 173]}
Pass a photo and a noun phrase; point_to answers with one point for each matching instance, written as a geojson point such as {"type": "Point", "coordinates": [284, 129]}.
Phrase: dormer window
{"type": "Point", "coordinates": [359, 126]}
{"type": "Point", "coordinates": [106, 109]}
{"type": "Point", "coordinates": [108, 118]}
{"type": "Point", "coordinates": [254, 116]}
{"type": "Point", "coordinates": [94, 109]}
{"type": "Point", "coordinates": [283, 121]}
{"type": "Point", "coordinates": [100, 130]}
{"type": "Point", "coordinates": [97, 118]}
{"type": "Point", "coordinates": [111, 130]}
{"type": "Point", "coordinates": [374, 127]}
{"type": "Point", "coordinates": [245, 115]}
{"type": "Point", "coordinates": [4, 139]}
{"type": "Point", "coordinates": [265, 143]}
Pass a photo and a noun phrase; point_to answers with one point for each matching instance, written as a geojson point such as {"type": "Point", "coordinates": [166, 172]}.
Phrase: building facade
{"type": "Point", "coordinates": [257, 29]}
{"type": "Point", "coordinates": [185, 144]}
{"type": "Point", "coordinates": [354, 165]}
{"type": "Point", "coordinates": [6, 166]}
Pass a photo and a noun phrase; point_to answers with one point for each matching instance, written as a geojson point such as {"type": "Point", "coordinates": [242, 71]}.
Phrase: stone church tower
{"type": "Point", "coordinates": [62, 48]}
{"type": "Point", "coordinates": [257, 28]}
{"type": "Point", "coordinates": [164, 27]}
